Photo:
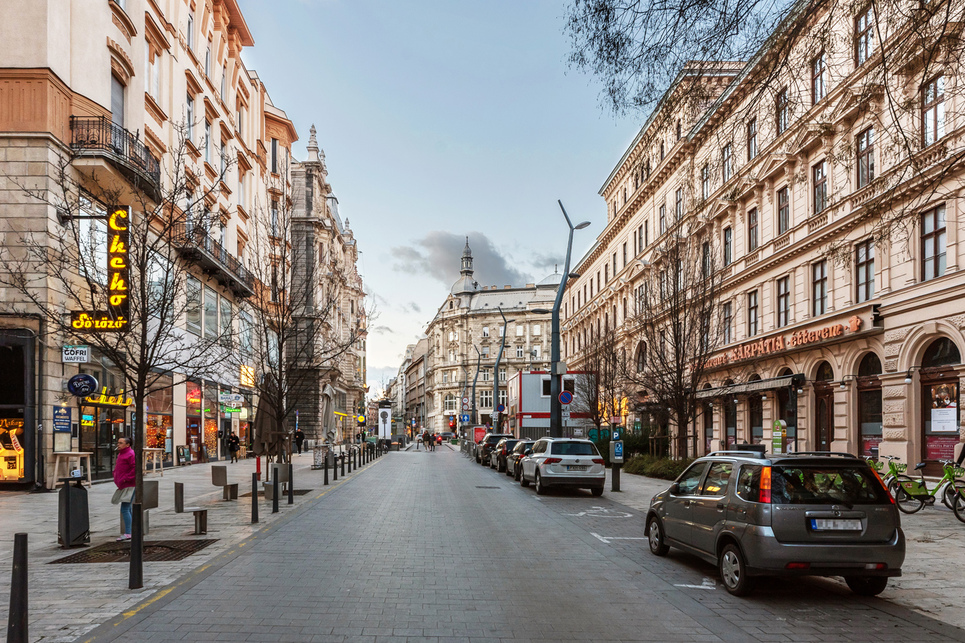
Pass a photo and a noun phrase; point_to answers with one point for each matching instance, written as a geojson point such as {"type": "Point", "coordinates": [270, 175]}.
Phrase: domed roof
{"type": "Point", "coordinates": [550, 281]}
{"type": "Point", "coordinates": [464, 284]}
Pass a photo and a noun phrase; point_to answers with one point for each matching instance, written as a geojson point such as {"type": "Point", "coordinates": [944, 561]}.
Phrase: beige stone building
{"type": "Point", "coordinates": [832, 211]}
{"type": "Point", "coordinates": [468, 321]}
{"type": "Point", "coordinates": [148, 98]}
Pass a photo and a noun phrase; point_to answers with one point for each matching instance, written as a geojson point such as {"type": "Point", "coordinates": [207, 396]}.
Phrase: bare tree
{"type": "Point", "coordinates": [599, 390]}
{"type": "Point", "coordinates": [889, 60]}
{"type": "Point", "coordinates": [674, 330]}
{"type": "Point", "coordinates": [301, 322]}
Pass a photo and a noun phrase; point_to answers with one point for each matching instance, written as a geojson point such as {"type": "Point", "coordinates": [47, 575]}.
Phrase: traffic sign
{"type": "Point", "coordinates": [565, 397]}
{"type": "Point", "coordinates": [464, 417]}
{"type": "Point", "coordinates": [566, 415]}
{"type": "Point", "coordinates": [500, 408]}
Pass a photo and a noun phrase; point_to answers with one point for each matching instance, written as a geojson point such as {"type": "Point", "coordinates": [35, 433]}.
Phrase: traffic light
{"type": "Point", "coordinates": [452, 421]}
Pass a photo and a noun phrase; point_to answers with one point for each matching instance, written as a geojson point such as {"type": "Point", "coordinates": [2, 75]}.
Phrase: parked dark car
{"type": "Point", "coordinates": [497, 459]}
{"type": "Point", "coordinates": [487, 443]}
{"type": "Point", "coordinates": [815, 513]}
{"type": "Point", "coordinates": [512, 459]}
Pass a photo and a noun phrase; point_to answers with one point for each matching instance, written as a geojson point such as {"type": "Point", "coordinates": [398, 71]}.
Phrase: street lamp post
{"type": "Point", "coordinates": [475, 377]}
{"type": "Point", "coordinates": [556, 407]}
{"type": "Point", "coordinates": [499, 357]}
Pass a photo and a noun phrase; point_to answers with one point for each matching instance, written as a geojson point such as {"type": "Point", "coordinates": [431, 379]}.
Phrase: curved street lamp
{"type": "Point", "coordinates": [556, 379]}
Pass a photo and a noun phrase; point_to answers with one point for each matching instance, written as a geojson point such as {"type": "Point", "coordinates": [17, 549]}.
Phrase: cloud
{"type": "Point", "coordinates": [381, 330]}
{"type": "Point", "coordinates": [547, 262]}
{"type": "Point", "coordinates": [438, 255]}
{"type": "Point", "coordinates": [412, 307]}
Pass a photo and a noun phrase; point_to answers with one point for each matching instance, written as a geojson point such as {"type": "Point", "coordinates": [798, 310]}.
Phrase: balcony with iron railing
{"type": "Point", "coordinates": [197, 245]}
{"type": "Point", "coordinates": [97, 136]}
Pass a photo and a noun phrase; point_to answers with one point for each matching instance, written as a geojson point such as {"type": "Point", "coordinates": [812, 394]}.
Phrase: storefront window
{"type": "Point", "coordinates": [192, 400]}
{"type": "Point", "coordinates": [869, 404]}
{"type": "Point", "coordinates": [159, 410]}
{"type": "Point", "coordinates": [211, 413]}
{"type": "Point", "coordinates": [16, 446]}
{"type": "Point", "coordinates": [940, 402]}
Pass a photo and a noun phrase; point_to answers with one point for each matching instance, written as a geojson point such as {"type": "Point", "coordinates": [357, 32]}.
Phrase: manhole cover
{"type": "Point", "coordinates": [154, 551]}
{"type": "Point", "coordinates": [478, 487]}
{"type": "Point", "coordinates": [297, 492]}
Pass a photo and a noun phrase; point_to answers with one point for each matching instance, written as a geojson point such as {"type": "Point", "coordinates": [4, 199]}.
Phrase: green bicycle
{"type": "Point", "coordinates": [911, 495]}
{"type": "Point", "coordinates": [958, 507]}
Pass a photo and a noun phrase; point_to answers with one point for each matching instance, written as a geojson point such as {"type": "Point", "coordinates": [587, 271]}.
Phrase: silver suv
{"type": "Point", "coordinates": [563, 462]}
{"type": "Point", "coordinates": [818, 514]}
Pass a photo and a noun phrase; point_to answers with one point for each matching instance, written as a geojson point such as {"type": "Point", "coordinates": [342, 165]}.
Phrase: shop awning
{"type": "Point", "coordinates": [749, 387]}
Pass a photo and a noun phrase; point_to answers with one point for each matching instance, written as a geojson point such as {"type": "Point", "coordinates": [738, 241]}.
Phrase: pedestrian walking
{"type": "Point", "coordinates": [299, 439]}
{"type": "Point", "coordinates": [234, 445]}
{"type": "Point", "coordinates": [125, 472]}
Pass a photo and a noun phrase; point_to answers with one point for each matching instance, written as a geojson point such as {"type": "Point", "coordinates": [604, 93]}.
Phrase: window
{"type": "Point", "coordinates": [189, 117]}
{"type": "Point", "coordinates": [638, 241]}
{"type": "Point", "coordinates": [207, 60]}
{"type": "Point", "coordinates": [519, 351]}
{"type": "Point", "coordinates": [752, 228]}
{"type": "Point", "coordinates": [728, 322]}
{"type": "Point", "coordinates": [678, 208]}
{"type": "Point", "coordinates": [663, 284]}
{"type": "Point", "coordinates": [688, 482]}
{"type": "Point", "coordinates": [118, 100]}
{"type": "Point", "coordinates": [547, 387]}
{"type": "Point", "coordinates": [818, 88]}
{"type": "Point", "coordinates": [933, 243]}
{"type": "Point", "coordinates": [192, 309]}
{"type": "Point", "coordinates": [819, 180]}
{"type": "Point", "coordinates": [646, 234]}
{"type": "Point", "coordinates": [624, 254]}
{"type": "Point", "coordinates": [641, 357]}
{"type": "Point", "coordinates": [207, 141]}
{"type": "Point", "coordinates": [614, 260]}
{"type": "Point", "coordinates": [663, 219]}
{"type": "Point", "coordinates": [866, 157]}
{"type": "Point", "coordinates": [486, 399]}
{"type": "Point", "coordinates": [274, 156]}
{"type": "Point", "coordinates": [783, 301]}
{"type": "Point", "coordinates": [752, 139]}
{"type": "Point", "coordinates": [225, 322]}
{"type": "Point", "coordinates": [152, 72]}
{"type": "Point", "coordinates": [245, 330]}
{"type": "Point", "coordinates": [781, 109]}
{"type": "Point", "coordinates": [705, 259]}
{"type": "Point", "coordinates": [752, 325]}
{"type": "Point", "coordinates": [536, 352]}
{"type": "Point", "coordinates": [502, 378]}
{"type": "Point", "coordinates": [749, 482]}
{"type": "Point", "coordinates": [728, 246]}
{"type": "Point", "coordinates": [224, 159]}
{"type": "Point", "coordinates": [661, 150]}
{"type": "Point", "coordinates": [224, 83]}
{"type": "Point", "coordinates": [819, 288]}
{"type": "Point", "coordinates": [536, 330]}
{"type": "Point", "coordinates": [783, 210]}
{"type": "Point", "coordinates": [680, 131]}
{"type": "Point", "coordinates": [485, 351]}
{"type": "Point", "coordinates": [210, 313]}
{"type": "Point", "coordinates": [274, 219]}
{"type": "Point", "coordinates": [520, 329]}
{"type": "Point", "coordinates": [705, 182]}
{"type": "Point", "coordinates": [864, 263]}
{"type": "Point", "coordinates": [190, 31]}
{"type": "Point", "coordinates": [718, 478]}
{"type": "Point", "coordinates": [485, 331]}
{"type": "Point", "coordinates": [933, 110]}
{"type": "Point", "coordinates": [864, 44]}
{"type": "Point", "coordinates": [727, 161]}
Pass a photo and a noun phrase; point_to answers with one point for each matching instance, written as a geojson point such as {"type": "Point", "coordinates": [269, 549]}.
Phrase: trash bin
{"type": "Point", "coordinates": [73, 516]}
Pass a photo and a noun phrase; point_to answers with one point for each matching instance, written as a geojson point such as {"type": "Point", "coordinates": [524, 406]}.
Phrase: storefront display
{"type": "Point", "coordinates": [159, 425]}
{"type": "Point", "coordinates": [193, 435]}
{"type": "Point", "coordinates": [212, 411]}
{"type": "Point", "coordinates": [11, 449]}
{"type": "Point", "coordinates": [941, 424]}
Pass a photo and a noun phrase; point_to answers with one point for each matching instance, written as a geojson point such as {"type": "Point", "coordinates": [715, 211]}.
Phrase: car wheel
{"type": "Point", "coordinates": [733, 571]}
{"type": "Point", "coordinates": [867, 585]}
{"type": "Point", "coordinates": [538, 483]}
{"type": "Point", "coordinates": [523, 482]}
{"type": "Point", "coordinates": [508, 472]}
{"type": "Point", "coordinates": [655, 537]}
{"type": "Point", "coordinates": [597, 491]}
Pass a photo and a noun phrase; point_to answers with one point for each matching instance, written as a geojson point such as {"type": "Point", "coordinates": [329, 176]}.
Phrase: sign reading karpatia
{"type": "Point", "coordinates": [762, 347]}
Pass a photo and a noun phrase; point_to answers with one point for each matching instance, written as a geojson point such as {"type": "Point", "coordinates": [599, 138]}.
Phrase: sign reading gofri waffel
{"type": "Point", "coordinates": [117, 316]}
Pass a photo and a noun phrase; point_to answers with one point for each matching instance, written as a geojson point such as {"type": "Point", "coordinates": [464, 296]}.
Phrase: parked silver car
{"type": "Point", "coordinates": [817, 514]}
{"type": "Point", "coordinates": [563, 462]}
{"type": "Point", "coordinates": [512, 460]}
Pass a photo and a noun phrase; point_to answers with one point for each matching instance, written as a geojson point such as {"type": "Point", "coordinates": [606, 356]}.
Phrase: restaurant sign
{"type": "Point", "coordinates": [117, 316]}
{"type": "Point", "coordinates": [119, 401]}
{"type": "Point", "coordinates": [771, 345]}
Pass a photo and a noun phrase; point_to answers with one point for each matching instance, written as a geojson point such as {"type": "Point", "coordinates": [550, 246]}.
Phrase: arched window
{"type": "Point", "coordinates": [755, 412]}
{"type": "Point", "coordinates": [641, 356]}
{"type": "Point", "coordinates": [870, 365]}
{"type": "Point", "coordinates": [825, 373]}
{"type": "Point", "coordinates": [869, 404]}
{"type": "Point", "coordinates": [941, 352]}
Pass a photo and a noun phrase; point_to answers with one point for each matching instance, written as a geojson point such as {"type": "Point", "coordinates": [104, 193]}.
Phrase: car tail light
{"type": "Point", "coordinates": [598, 461]}
{"type": "Point", "coordinates": [552, 460]}
{"type": "Point", "coordinates": [798, 566]}
{"type": "Point", "coordinates": [765, 492]}
{"type": "Point", "coordinates": [882, 483]}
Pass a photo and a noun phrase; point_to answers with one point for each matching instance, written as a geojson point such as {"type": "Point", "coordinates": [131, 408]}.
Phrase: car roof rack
{"type": "Point", "coordinates": [744, 454]}
{"type": "Point", "coordinates": [839, 454]}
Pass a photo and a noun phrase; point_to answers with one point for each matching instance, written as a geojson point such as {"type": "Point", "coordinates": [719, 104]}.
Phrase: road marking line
{"type": "Point", "coordinates": [707, 584]}
{"type": "Point", "coordinates": [607, 539]}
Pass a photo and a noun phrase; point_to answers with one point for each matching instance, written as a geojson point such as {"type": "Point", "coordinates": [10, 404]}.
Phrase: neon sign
{"type": "Point", "coordinates": [117, 316]}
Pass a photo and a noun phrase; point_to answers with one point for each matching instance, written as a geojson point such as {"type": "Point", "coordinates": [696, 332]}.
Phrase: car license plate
{"type": "Point", "coordinates": [835, 524]}
{"type": "Point", "coordinates": [577, 467]}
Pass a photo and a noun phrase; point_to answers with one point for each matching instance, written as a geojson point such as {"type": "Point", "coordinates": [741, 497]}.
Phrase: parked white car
{"type": "Point", "coordinates": [563, 462]}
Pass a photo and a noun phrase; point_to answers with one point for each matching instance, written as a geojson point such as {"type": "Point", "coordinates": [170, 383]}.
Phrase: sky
{"type": "Point", "coordinates": [442, 119]}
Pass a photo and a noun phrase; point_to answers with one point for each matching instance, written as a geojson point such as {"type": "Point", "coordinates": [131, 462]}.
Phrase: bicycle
{"type": "Point", "coordinates": [912, 495]}
{"type": "Point", "coordinates": [958, 507]}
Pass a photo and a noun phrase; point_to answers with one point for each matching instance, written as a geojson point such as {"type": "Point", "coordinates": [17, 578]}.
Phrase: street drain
{"type": "Point", "coordinates": [296, 492]}
{"type": "Point", "coordinates": [154, 551]}
{"type": "Point", "coordinates": [478, 487]}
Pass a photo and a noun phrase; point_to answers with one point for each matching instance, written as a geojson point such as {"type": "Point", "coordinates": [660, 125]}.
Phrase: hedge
{"type": "Point", "coordinates": [653, 467]}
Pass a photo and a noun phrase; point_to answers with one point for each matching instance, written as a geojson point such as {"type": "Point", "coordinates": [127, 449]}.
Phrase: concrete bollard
{"type": "Point", "coordinates": [291, 484]}
{"type": "Point", "coordinates": [17, 617]}
{"type": "Point", "coordinates": [254, 498]}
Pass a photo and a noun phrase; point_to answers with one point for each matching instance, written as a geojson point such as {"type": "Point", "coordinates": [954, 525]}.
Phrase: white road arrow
{"type": "Point", "coordinates": [607, 539]}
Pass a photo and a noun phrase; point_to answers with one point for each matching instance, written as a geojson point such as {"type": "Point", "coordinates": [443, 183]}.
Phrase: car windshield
{"type": "Point", "coordinates": [573, 448]}
{"type": "Point", "coordinates": [825, 485]}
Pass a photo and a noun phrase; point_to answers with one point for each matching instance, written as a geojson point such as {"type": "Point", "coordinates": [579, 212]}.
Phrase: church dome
{"type": "Point", "coordinates": [465, 283]}
{"type": "Point", "coordinates": [550, 281]}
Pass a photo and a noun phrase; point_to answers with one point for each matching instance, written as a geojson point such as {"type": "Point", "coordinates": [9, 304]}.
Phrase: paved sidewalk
{"type": "Point", "coordinates": [69, 600]}
{"type": "Point", "coordinates": [932, 580]}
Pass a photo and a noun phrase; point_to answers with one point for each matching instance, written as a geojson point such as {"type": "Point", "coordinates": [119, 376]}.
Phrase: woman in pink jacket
{"type": "Point", "coordinates": [124, 475]}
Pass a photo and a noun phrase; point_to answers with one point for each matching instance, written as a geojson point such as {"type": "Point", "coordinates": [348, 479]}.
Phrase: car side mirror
{"type": "Point", "coordinates": [674, 488]}
{"type": "Point", "coordinates": [527, 451]}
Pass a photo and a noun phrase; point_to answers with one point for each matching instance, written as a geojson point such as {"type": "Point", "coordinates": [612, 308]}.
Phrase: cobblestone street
{"type": "Point", "coordinates": [432, 547]}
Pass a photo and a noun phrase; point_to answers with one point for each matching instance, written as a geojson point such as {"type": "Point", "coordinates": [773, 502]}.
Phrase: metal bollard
{"type": "Point", "coordinates": [17, 617]}
{"type": "Point", "coordinates": [343, 465]}
{"type": "Point", "coordinates": [291, 484]}
{"type": "Point", "coordinates": [326, 470]}
{"type": "Point", "coordinates": [136, 575]}
{"type": "Point", "coordinates": [254, 497]}
{"type": "Point", "coordinates": [615, 477]}
{"type": "Point", "coordinates": [334, 467]}
{"type": "Point", "coordinates": [274, 490]}
{"type": "Point", "coordinates": [355, 456]}
{"type": "Point", "coordinates": [351, 460]}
